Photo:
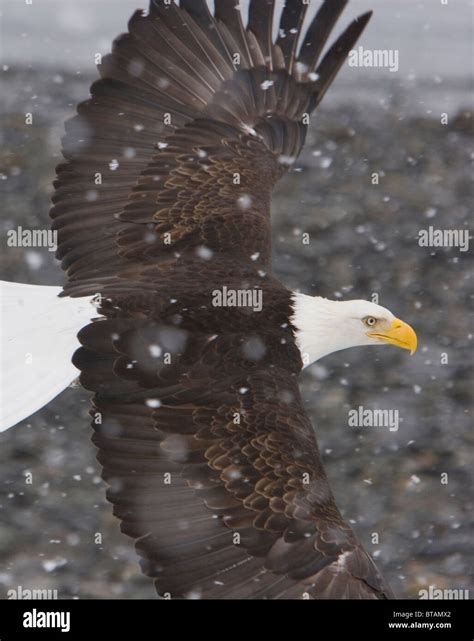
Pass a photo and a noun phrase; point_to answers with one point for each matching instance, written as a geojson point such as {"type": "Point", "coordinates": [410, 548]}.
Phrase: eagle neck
{"type": "Point", "coordinates": [317, 327]}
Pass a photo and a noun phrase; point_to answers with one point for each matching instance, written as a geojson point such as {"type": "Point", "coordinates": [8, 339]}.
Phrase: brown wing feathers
{"type": "Point", "coordinates": [211, 461]}
{"type": "Point", "coordinates": [221, 507]}
{"type": "Point", "coordinates": [175, 67]}
{"type": "Point", "coordinates": [336, 55]}
{"type": "Point", "coordinates": [290, 31]}
{"type": "Point", "coordinates": [319, 31]}
{"type": "Point", "coordinates": [261, 15]}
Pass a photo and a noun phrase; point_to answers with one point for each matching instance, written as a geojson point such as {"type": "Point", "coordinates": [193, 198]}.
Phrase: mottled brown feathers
{"type": "Point", "coordinates": [188, 96]}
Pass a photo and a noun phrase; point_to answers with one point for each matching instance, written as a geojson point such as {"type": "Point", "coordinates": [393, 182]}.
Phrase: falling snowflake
{"type": "Point", "coordinates": [204, 252]}
{"type": "Point", "coordinates": [92, 195]}
{"type": "Point", "coordinates": [244, 202]}
{"type": "Point", "coordinates": [34, 260]}
{"type": "Point", "coordinates": [249, 130]}
{"type": "Point", "coordinates": [155, 351]}
{"type": "Point", "coordinates": [301, 68]}
{"type": "Point", "coordinates": [325, 162]}
{"type": "Point", "coordinates": [153, 403]}
{"type": "Point", "coordinates": [265, 86]}
{"type": "Point", "coordinates": [53, 564]}
{"type": "Point", "coordinates": [136, 67]}
{"type": "Point", "coordinates": [286, 161]}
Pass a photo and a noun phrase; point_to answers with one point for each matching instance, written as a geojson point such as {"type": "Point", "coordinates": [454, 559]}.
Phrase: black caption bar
{"type": "Point", "coordinates": [235, 620]}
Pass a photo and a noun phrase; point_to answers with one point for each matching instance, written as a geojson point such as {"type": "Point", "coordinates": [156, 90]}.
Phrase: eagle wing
{"type": "Point", "coordinates": [213, 466]}
{"type": "Point", "coordinates": [194, 120]}
{"type": "Point", "coordinates": [164, 199]}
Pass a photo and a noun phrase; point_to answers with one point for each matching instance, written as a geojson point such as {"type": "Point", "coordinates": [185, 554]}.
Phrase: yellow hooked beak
{"type": "Point", "coordinates": [399, 334]}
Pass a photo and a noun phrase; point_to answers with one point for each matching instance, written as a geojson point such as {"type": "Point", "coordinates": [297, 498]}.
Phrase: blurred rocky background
{"type": "Point", "coordinates": [336, 234]}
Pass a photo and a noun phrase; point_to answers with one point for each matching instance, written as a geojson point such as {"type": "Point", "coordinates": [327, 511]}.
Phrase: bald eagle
{"type": "Point", "coordinates": [173, 317]}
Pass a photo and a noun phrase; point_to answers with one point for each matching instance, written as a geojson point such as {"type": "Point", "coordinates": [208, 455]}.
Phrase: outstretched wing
{"type": "Point", "coordinates": [213, 464]}
{"type": "Point", "coordinates": [194, 120]}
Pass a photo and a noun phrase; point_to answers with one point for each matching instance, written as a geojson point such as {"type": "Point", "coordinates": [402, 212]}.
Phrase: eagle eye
{"type": "Point", "coordinates": [370, 321]}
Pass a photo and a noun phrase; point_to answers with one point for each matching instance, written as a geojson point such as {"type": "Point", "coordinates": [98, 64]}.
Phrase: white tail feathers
{"type": "Point", "coordinates": [38, 336]}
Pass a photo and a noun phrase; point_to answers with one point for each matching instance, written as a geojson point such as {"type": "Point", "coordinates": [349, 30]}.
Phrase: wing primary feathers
{"type": "Point", "coordinates": [337, 54]}
{"type": "Point", "coordinates": [173, 71]}
{"type": "Point", "coordinates": [199, 10]}
{"type": "Point", "coordinates": [319, 31]}
{"type": "Point", "coordinates": [291, 22]}
{"type": "Point", "coordinates": [261, 14]}
{"type": "Point", "coordinates": [176, 21]}
{"type": "Point", "coordinates": [228, 12]}
{"type": "Point", "coordinates": [200, 13]}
